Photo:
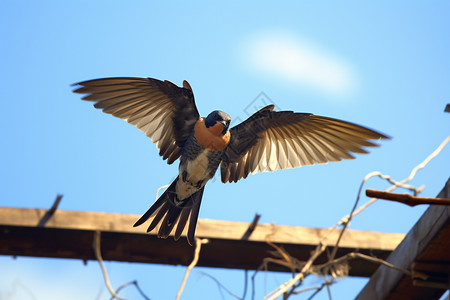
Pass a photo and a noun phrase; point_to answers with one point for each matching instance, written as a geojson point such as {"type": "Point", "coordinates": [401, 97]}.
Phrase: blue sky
{"type": "Point", "coordinates": [383, 65]}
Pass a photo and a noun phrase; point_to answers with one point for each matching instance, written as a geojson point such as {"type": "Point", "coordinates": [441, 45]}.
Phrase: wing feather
{"type": "Point", "coordinates": [163, 111]}
{"type": "Point", "coordinates": [274, 140]}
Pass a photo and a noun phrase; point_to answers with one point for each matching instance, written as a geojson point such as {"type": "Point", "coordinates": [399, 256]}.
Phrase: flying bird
{"type": "Point", "coordinates": [268, 140]}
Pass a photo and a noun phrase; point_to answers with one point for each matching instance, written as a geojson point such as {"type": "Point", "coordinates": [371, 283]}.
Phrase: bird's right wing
{"type": "Point", "coordinates": [274, 140]}
{"type": "Point", "coordinates": [165, 112]}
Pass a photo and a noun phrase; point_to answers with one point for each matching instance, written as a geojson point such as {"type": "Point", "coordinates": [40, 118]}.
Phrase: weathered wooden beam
{"type": "Point", "coordinates": [425, 249]}
{"type": "Point", "coordinates": [69, 234]}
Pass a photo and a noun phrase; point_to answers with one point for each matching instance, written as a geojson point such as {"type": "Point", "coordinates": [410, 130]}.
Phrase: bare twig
{"type": "Point", "coordinates": [406, 198]}
{"type": "Point", "coordinates": [245, 284]}
{"type": "Point", "coordinates": [308, 289]}
{"type": "Point", "coordinates": [328, 285]}
{"type": "Point", "coordinates": [347, 220]}
{"type": "Point", "coordinates": [287, 261]}
{"type": "Point", "coordinates": [49, 213]}
{"type": "Point", "coordinates": [251, 228]}
{"type": "Point", "coordinates": [98, 255]}
{"type": "Point", "coordinates": [318, 289]}
{"type": "Point", "coordinates": [198, 246]}
{"type": "Point", "coordinates": [221, 286]}
{"type": "Point", "coordinates": [299, 277]}
{"type": "Point", "coordinates": [157, 191]}
{"type": "Point", "coordinates": [135, 283]}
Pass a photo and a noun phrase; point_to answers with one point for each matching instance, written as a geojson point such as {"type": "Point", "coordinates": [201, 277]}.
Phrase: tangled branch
{"type": "Point", "coordinates": [289, 287]}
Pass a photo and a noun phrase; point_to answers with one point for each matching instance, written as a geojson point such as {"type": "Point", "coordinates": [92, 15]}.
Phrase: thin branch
{"type": "Point", "coordinates": [135, 283]}
{"type": "Point", "coordinates": [49, 213]}
{"type": "Point", "coordinates": [288, 261]}
{"type": "Point", "coordinates": [251, 228]}
{"type": "Point", "coordinates": [157, 191]}
{"type": "Point", "coordinates": [299, 277]}
{"type": "Point", "coordinates": [319, 288]}
{"type": "Point", "coordinates": [220, 285]}
{"type": "Point", "coordinates": [406, 198]}
{"type": "Point", "coordinates": [308, 289]}
{"type": "Point", "coordinates": [347, 221]}
{"type": "Point", "coordinates": [329, 289]}
{"type": "Point", "coordinates": [245, 284]}
{"type": "Point", "coordinates": [98, 255]}
{"type": "Point", "coordinates": [198, 246]}
{"type": "Point", "coordinates": [316, 292]}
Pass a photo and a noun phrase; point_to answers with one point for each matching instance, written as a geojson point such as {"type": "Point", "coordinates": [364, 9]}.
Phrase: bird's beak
{"type": "Point", "coordinates": [225, 124]}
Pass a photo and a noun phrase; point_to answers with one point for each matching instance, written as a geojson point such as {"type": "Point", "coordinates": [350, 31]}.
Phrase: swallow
{"type": "Point", "coordinates": [267, 141]}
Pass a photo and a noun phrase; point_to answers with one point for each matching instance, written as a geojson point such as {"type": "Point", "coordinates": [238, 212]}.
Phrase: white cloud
{"type": "Point", "coordinates": [297, 61]}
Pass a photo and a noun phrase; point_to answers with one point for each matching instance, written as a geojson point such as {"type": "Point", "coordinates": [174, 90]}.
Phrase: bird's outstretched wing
{"type": "Point", "coordinates": [163, 111]}
{"type": "Point", "coordinates": [274, 140]}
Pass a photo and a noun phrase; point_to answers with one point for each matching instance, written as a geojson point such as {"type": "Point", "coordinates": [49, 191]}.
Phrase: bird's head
{"type": "Point", "coordinates": [218, 121]}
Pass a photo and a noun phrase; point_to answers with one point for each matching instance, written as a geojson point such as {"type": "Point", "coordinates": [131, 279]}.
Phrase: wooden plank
{"type": "Point", "coordinates": [428, 242]}
{"type": "Point", "coordinates": [69, 234]}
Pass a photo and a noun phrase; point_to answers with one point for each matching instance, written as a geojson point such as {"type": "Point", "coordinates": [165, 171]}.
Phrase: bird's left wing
{"type": "Point", "coordinates": [274, 140]}
{"type": "Point", "coordinates": [163, 111]}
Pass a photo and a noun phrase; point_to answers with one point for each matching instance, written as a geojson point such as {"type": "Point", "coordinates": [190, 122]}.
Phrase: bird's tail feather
{"type": "Point", "coordinates": [173, 210]}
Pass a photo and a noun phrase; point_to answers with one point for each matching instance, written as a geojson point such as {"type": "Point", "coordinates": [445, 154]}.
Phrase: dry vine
{"type": "Point", "coordinates": [289, 287]}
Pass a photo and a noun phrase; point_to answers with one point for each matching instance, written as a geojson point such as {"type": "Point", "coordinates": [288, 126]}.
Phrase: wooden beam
{"type": "Point", "coordinates": [425, 249]}
{"type": "Point", "coordinates": [69, 234]}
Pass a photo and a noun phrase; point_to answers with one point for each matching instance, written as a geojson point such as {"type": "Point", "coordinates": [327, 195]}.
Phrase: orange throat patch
{"type": "Point", "coordinates": [211, 138]}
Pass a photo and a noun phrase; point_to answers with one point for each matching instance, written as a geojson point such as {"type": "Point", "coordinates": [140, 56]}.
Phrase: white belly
{"type": "Point", "coordinates": [197, 170]}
